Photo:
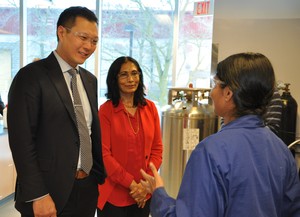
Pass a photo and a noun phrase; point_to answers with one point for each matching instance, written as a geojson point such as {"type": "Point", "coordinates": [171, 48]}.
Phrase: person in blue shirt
{"type": "Point", "coordinates": [244, 170]}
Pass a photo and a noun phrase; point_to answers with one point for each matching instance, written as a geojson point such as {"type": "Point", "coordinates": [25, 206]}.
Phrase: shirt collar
{"type": "Point", "coordinates": [63, 64]}
{"type": "Point", "coordinates": [247, 121]}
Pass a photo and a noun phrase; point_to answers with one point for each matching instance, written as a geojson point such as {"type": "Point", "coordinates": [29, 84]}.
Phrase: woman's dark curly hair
{"type": "Point", "coordinates": [250, 76]}
{"type": "Point", "coordinates": [113, 90]}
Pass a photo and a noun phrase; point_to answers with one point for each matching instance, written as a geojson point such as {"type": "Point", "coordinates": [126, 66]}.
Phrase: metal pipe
{"type": "Point", "coordinates": [293, 143]}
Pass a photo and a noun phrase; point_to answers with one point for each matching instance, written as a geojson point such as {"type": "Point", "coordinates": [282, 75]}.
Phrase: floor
{"type": "Point", "coordinates": [7, 208]}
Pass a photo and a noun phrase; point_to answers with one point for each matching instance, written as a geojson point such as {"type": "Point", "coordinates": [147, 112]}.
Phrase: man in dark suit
{"type": "Point", "coordinates": [43, 132]}
{"type": "Point", "coordinates": [2, 106]}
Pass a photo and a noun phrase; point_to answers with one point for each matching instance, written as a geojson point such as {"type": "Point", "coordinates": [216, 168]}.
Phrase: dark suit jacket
{"type": "Point", "coordinates": [2, 106]}
{"type": "Point", "coordinates": [43, 136]}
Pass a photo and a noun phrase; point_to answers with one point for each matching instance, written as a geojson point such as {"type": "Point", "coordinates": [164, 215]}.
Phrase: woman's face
{"type": "Point", "coordinates": [217, 96]}
{"type": "Point", "coordinates": [222, 98]}
{"type": "Point", "coordinates": [128, 78]}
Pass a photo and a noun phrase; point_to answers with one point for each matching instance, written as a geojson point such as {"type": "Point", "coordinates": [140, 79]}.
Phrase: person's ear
{"type": "Point", "coordinates": [228, 94]}
{"type": "Point", "coordinates": [60, 31]}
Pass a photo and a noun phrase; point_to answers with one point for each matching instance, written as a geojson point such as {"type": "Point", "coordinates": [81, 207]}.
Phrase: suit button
{"type": "Point", "coordinates": [146, 156]}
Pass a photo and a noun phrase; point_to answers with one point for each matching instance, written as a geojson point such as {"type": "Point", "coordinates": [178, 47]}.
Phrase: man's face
{"type": "Point", "coordinates": [77, 43]}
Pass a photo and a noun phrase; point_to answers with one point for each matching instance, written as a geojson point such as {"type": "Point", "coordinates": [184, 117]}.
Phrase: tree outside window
{"type": "Point", "coordinates": [142, 29]}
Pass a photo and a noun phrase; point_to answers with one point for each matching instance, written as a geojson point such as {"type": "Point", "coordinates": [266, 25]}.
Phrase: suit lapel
{"type": "Point", "coordinates": [56, 76]}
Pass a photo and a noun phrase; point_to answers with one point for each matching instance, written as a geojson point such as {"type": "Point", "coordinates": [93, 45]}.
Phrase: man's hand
{"type": "Point", "coordinates": [44, 207]}
{"type": "Point", "coordinates": [151, 183]}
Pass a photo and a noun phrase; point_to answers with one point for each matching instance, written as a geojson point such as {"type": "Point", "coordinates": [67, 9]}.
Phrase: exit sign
{"type": "Point", "coordinates": [201, 8]}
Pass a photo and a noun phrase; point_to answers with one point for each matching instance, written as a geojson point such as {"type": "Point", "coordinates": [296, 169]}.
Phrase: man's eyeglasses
{"type": "Point", "coordinates": [125, 75]}
{"type": "Point", "coordinates": [84, 37]}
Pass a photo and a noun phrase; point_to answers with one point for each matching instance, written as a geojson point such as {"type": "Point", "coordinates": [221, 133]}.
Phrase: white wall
{"type": "Point", "coordinates": [278, 39]}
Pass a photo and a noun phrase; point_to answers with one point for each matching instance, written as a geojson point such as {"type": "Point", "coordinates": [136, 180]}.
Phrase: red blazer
{"type": "Point", "coordinates": [114, 145]}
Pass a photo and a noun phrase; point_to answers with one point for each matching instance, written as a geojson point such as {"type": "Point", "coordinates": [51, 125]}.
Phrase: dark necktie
{"type": "Point", "coordinates": [85, 142]}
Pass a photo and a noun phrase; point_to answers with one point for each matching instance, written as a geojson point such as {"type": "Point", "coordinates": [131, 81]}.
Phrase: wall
{"type": "Point", "coordinates": [8, 172]}
{"type": "Point", "coordinates": [278, 39]}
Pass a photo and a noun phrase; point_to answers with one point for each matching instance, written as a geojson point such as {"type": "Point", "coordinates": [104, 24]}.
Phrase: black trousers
{"type": "Point", "coordinates": [110, 210]}
{"type": "Point", "coordinates": [83, 199]}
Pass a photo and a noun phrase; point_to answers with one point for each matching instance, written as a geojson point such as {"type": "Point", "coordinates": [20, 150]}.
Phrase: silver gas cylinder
{"type": "Point", "coordinates": [186, 120]}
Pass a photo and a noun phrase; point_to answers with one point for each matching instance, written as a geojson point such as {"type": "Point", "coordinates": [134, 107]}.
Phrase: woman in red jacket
{"type": "Point", "coordinates": [131, 139]}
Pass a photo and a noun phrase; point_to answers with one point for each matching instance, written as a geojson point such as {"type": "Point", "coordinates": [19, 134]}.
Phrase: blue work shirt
{"type": "Point", "coordinates": [244, 170]}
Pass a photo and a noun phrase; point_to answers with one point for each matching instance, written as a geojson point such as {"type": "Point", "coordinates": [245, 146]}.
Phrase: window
{"type": "Point", "coordinates": [194, 46]}
{"type": "Point", "coordinates": [145, 30]}
{"type": "Point", "coordinates": [9, 44]}
{"type": "Point", "coordinates": [172, 45]}
{"type": "Point", "coordinates": [42, 17]}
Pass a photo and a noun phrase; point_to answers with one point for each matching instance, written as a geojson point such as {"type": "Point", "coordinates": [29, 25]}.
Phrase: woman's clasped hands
{"type": "Point", "coordinates": [138, 193]}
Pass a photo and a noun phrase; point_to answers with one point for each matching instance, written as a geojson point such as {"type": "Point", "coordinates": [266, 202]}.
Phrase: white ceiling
{"type": "Point", "coordinates": [257, 9]}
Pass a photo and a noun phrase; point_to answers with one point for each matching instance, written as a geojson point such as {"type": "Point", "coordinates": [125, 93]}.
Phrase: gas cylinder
{"type": "Point", "coordinates": [287, 130]}
{"type": "Point", "coordinates": [186, 120]}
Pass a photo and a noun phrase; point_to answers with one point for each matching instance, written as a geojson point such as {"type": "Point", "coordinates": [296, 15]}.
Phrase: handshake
{"type": "Point", "coordinates": [140, 191]}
